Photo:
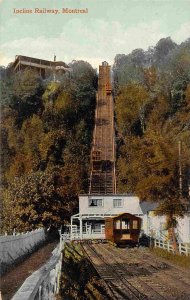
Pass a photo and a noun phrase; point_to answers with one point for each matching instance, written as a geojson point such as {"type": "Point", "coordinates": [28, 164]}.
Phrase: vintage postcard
{"type": "Point", "coordinates": [95, 149]}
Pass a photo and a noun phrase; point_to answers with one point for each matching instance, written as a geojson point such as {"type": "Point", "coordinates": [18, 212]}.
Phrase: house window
{"type": "Point", "coordinates": [95, 202]}
{"type": "Point", "coordinates": [117, 203]}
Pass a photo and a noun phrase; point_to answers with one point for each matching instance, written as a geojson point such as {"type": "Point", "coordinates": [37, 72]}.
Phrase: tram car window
{"type": "Point", "coordinates": [123, 229]}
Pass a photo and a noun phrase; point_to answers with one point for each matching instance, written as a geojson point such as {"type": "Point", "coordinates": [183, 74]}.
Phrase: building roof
{"type": "Point", "coordinates": [31, 60]}
{"type": "Point", "coordinates": [123, 214]}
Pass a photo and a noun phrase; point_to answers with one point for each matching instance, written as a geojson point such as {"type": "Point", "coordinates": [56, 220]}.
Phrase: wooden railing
{"type": "Point", "coordinates": [44, 283]}
{"type": "Point", "coordinates": [183, 248]}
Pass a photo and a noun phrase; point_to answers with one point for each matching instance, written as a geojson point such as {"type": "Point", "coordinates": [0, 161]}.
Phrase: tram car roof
{"type": "Point", "coordinates": [123, 215]}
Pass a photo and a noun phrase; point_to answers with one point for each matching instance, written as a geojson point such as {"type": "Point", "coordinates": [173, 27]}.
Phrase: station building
{"type": "Point", "coordinates": [89, 223]}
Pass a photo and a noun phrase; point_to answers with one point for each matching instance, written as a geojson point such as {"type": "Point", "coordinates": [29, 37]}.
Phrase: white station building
{"type": "Point", "coordinates": [89, 223]}
{"type": "Point", "coordinates": [93, 209]}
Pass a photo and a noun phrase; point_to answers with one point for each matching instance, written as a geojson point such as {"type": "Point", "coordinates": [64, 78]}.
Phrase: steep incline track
{"type": "Point", "coordinates": [102, 180]}
{"type": "Point", "coordinates": [138, 274]}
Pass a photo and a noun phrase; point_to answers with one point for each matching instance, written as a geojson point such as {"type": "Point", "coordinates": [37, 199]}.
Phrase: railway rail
{"type": "Point", "coordinates": [138, 274]}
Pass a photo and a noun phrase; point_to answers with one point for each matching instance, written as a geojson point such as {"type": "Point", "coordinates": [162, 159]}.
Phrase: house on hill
{"type": "Point", "coordinates": [42, 66]}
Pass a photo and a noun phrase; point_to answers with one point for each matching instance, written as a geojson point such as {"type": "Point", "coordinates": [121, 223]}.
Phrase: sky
{"type": "Point", "coordinates": [110, 27]}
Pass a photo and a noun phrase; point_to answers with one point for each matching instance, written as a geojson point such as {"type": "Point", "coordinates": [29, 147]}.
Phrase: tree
{"type": "Point", "coordinates": [39, 199]}
{"type": "Point", "coordinates": [172, 206]}
{"type": "Point", "coordinates": [128, 68]}
{"type": "Point", "coordinates": [149, 166]}
{"type": "Point", "coordinates": [27, 90]}
{"type": "Point", "coordinates": [47, 133]}
{"type": "Point", "coordinates": [131, 105]}
{"type": "Point", "coordinates": [8, 140]}
{"type": "Point", "coordinates": [164, 47]}
{"type": "Point", "coordinates": [152, 114]}
{"type": "Point", "coordinates": [26, 145]}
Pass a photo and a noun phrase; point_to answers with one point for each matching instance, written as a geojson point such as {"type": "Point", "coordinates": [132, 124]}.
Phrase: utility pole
{"type": "Point", "coordinates": [180, 168]}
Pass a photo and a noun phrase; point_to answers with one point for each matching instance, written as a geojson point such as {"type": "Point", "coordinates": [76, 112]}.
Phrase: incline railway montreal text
{"type": "Point", "coordinates": [54, 11]}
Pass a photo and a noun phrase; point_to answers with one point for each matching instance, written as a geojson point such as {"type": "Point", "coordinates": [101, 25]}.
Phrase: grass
{"type": "Point", "coordinates": [180, 260]}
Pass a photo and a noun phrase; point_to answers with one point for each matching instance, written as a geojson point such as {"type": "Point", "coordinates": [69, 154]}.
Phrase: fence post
{"type": "Point", "coordinates": [168, 244]}
{"type": "Point", "coordinates": [40, 292]}
{"type": "Point", "coordinates": [179, 248]}
{"type": "Point", "coordinates": [186, 249]}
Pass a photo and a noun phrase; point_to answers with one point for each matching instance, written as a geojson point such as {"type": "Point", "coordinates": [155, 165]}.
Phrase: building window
{"type": "Point", "coordinates": [117, 203]}
{"type": "Point", "coordinates": [95, 202]}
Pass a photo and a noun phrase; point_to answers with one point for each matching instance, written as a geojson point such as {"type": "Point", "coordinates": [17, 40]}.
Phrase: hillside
{"type": "Point", "coordinates": [152, 106]}
{"type": "Point", "coordinates": [46, 137]}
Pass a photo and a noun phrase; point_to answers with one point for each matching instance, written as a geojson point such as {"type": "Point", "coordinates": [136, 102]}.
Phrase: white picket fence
{"type": "Point", "coordinates": [183, 248]}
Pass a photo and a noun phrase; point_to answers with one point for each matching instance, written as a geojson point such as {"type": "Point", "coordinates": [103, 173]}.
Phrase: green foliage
{"type": "Point", "coordinates": [26, 92]}
{"type": "Point", "coordinates": [147, 166]}
{"type": "Point", "coordinates": [39, 199]}
{"type": "Point", "coordinates": [131, 103]}
{"type": "Point", "coordinates": [164, 47]}
{"type": "Point", "coordinates": [46, 138]}
{"type": "Point", "coordinates": [50, 94]}
{"type": "Point", "coordinates": [152, 114]}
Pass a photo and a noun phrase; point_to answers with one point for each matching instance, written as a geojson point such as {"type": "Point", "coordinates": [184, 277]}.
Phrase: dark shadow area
{"type": "Point", "coordinates": [79, 278]}
{"type": "Point", "coordinates": [107, 165]}
{"type": "Point", "coordinates": [145, 241]}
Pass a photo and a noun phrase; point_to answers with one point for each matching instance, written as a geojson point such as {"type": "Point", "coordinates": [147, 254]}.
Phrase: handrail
{"type": "Point", "coordinates": [44, 281]}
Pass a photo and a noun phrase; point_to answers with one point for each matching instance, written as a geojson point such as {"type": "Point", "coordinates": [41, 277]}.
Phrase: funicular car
{"type": "Point", "coordinates": [123, 229]}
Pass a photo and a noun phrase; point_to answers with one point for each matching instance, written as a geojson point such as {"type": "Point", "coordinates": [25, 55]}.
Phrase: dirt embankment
{"type": "Point", "coordinates": [79, 279]}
